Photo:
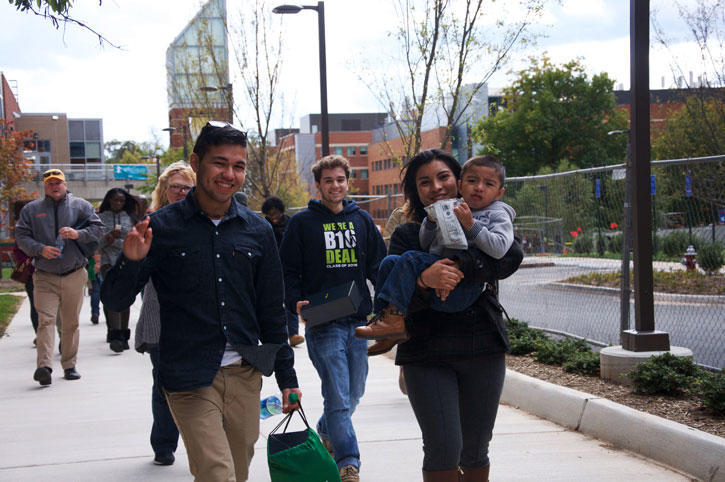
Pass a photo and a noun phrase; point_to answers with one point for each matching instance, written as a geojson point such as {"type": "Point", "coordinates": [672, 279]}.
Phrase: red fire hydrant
{"type": "Point", "coordinates": [690, 258]}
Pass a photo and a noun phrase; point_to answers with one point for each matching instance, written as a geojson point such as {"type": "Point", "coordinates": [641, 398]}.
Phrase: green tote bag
{"type": "Point", "coordinates": [299, 456]}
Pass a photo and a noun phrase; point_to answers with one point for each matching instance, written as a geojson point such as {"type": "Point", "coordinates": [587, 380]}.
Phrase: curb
{"type": "Point", "coordinates": [689, 450]}
{"type": "Point", "coordinates": [658, 296]}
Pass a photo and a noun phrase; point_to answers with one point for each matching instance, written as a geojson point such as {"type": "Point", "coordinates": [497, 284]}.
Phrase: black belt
{"type": "Point", "coordinates": [63, 274]}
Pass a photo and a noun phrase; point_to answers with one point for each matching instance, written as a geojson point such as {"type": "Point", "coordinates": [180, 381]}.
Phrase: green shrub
{"type": "Point", "coordinates": [615, 243]}
{"type": "Point", "coordinates": [665, 374]}
{"type": "Point", "coordinates": [556, 352]}
{"type": "Point", "coordinates": [523, 339]}
{"type": "Point", "coordinates": [583, 362]}
{"type": "Point", "coordinates": [710, 257]}
{"type": "Point", "coordinates": [583, 244]}
{"type": "Point", "coordinates": [712, 391]}
{"type": "Point", "coordinates": [675, 243]}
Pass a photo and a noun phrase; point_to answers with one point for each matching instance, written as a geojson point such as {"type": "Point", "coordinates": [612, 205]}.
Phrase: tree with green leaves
{"type": "Point", "coordinates": [553, 113]}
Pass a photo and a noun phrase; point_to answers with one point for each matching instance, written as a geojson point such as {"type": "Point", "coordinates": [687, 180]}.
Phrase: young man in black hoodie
{"type": "Point", "coordinates": [332, 242]}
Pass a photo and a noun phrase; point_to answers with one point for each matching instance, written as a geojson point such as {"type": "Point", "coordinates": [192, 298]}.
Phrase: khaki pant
{"type": "Point", "coordinates": [53, 295]}
{"type": "Point", "coordinates": [220, 424]}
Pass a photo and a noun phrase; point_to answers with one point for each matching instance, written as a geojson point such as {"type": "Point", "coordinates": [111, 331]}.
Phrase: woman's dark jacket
{"type": "Point", "coordinates": [474, 332]}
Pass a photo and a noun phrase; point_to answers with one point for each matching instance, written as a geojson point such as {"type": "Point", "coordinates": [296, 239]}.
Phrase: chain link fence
{"type": "Point", "coordinates": [572, 224]}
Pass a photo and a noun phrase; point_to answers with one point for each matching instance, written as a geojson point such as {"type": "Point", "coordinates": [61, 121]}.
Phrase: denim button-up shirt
{"type": "Point", "coordinates": [216, 285]}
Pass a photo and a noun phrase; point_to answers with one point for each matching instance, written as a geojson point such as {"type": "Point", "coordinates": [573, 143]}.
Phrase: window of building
{"type": "Point", "coordinates": [350, 151]}
{"type": "Point", "coordinates": [77, 149]}
{"type": "Point", "coordinates": [353, 174]}
{"type": "Point", "coordinates": [363, 150]}
{"type": "Point", "coordinates": [337, 150]}
{"type": "Point", "coordinates": [363, 173]}
{"type": "Point", "coordinates": [93, 149]}
{"type": "Point", "coordinates": [75, 130]}
{"type": "Point", "coordinates": [92, 130]}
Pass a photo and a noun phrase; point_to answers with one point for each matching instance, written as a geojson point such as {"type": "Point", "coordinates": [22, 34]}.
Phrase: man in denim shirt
{"type": "Point", "coordinates": [217, 272]}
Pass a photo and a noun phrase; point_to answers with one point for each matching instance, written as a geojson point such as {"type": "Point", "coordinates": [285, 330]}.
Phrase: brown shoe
{"type": "Point", "coordinates": [349, 473]}
{"type": "Point", "coordinates": [295, 340]}
{"type": "Point", "coordinates": [328, 446]}
{"type": "Point", "coordinates": [385, 345]}
{"type": "Point", "coordinates": [388, 324]}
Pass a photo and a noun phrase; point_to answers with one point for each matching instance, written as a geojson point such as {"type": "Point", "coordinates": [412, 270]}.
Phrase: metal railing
{"type": "Point", "coordinates": [87, 172]}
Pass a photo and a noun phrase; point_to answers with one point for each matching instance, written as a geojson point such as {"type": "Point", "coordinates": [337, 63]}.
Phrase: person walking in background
{"type": "Point", "coordinates": [20, 257]}
{"type": "Point", "coordinates": [174, 184]}
{"type": "Point", "coordinates": [333, 242]}
{"type": "Point", "coordinates": [118, 214]}
{"type": "Point", "coordinates": [45, 232]}
{"type": "Point", "coordinates": [218, 278]}
{"type": "Point", "coordinates": [94, 286]}
{"type": "Point", "coordinates": [454, 362]}
{"type": "Point", "coordinates": [273, 210]}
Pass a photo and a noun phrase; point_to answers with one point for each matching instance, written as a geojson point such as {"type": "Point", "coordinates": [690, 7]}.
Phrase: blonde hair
{"type": "Point", "coordinates": [158, 198]}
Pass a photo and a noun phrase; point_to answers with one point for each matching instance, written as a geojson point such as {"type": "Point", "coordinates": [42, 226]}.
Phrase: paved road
{"type": "Point", "coordinates": [529, 296]}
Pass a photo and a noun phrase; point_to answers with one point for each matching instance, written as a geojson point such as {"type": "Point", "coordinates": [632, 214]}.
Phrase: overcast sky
{"type": "Point", "coordinates": [67, 71]}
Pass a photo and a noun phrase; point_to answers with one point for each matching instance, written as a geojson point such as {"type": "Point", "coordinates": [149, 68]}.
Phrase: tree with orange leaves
{"type": "Point", "coordinates": [14, 168]}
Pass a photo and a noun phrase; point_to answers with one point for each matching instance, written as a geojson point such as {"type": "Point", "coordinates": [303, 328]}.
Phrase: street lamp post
{"type": "Point", "coordinates": [158, 166]}
{"type": "Point", "coordinates": [228, 94]}
{"type": "Point", "coordinates": [183, 131]}
{"type": "Point", "coordinates": [320, 9]}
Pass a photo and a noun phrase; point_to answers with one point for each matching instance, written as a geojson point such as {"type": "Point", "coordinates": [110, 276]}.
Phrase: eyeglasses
{"type": "Point", "coordinates": [179, 188]}
{"type": "Point", "coordinates": [52, 173]}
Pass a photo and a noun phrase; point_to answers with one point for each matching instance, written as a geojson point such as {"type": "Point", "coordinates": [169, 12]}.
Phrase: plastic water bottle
{"type": "Point", "coordinates": [269, 406]}
{"type": "Point", "coordinates": [59, 243]}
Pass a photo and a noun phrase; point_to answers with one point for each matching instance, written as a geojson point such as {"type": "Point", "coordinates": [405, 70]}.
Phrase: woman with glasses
{"type": "Point", "coordinates": [118, 214]}
{"type": "Point", "coordinates": [174, 184]}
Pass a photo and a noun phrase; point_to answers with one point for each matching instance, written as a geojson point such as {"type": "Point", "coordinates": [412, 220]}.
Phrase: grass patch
{"type": "Point", "coordinates": [8, 307]}
{"type": "Point", "coordinates": [679, 282]}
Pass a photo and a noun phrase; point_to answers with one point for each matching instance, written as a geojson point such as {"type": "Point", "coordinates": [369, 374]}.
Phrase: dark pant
{"type": "Point", "coordinates": [95, 296]}
{"type": "Point", "coordinates": [164, 434]}
{"type": "Point", "coordinates": [396, 280]}
{"type": "Point", "coordinates": [116, 320]}
{"type": "Point", "coordinates": [455, 404]}
{"type": "Point", "coordinates": [293, 324]}
{"type": "Point", "coordinates": [33, 311]}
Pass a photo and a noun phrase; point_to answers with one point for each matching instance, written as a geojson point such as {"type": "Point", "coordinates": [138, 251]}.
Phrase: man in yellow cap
{"type": "Point", "coordinates": [52, 230]}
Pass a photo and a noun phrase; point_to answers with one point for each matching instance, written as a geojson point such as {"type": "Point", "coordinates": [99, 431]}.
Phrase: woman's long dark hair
{"type": "Point", "coordinates": [415, 208]}
{"type": "Point", "coordinates": [129, 205]}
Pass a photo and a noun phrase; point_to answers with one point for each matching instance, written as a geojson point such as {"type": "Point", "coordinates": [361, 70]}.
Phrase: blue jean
{"type": "Point", "coordinates": [341, 361]}
{"type": "Point", "coordinates": [95, 296]}
{"type": "Point", "coordinates": [396, 280]}
{"type": "Point", "coordinates": [164, 434]}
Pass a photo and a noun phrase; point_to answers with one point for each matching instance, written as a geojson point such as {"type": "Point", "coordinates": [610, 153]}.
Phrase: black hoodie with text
{"type": "Point", "coordinates": [321, 250]}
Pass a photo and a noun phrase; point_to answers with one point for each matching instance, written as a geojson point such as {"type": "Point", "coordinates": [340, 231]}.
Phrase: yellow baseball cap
{"type": "Point", "coordinates": [53, 174]}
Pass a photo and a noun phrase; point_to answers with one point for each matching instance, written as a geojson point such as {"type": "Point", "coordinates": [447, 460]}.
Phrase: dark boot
{"type": "Point", "coordinates": [125, 334]}
{"type": "Point", "coordinates": [478, 474]}
{"type": "Point", "coordinates": [117, 341]}
{"type": "Point", "coordinates": [388, 324]}
{"type": "Point", "coordinates": [440, 475]}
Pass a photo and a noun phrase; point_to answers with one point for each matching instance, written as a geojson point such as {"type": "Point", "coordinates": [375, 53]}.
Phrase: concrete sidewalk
{"type": "Point", "coordinates": [97, 428]}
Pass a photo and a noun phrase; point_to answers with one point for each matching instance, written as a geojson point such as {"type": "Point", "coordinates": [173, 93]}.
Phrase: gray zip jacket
{"type": "Point", "coordinates": [492, 232]}
{"type": "Point", "coordinates": [38, 227]}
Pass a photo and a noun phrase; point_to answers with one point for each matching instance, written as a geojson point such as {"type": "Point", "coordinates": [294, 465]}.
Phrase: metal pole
{"type": "Point", "coordinates": [186, 146]}
{"type": "Point", "coordinates": [599, 227]}
{"type": "Point", "coordinates": [626, 242]}
{"type": "Point", "coordinates": [643, 337]}
{"type": "Point", "coordinates": [323, 81]}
